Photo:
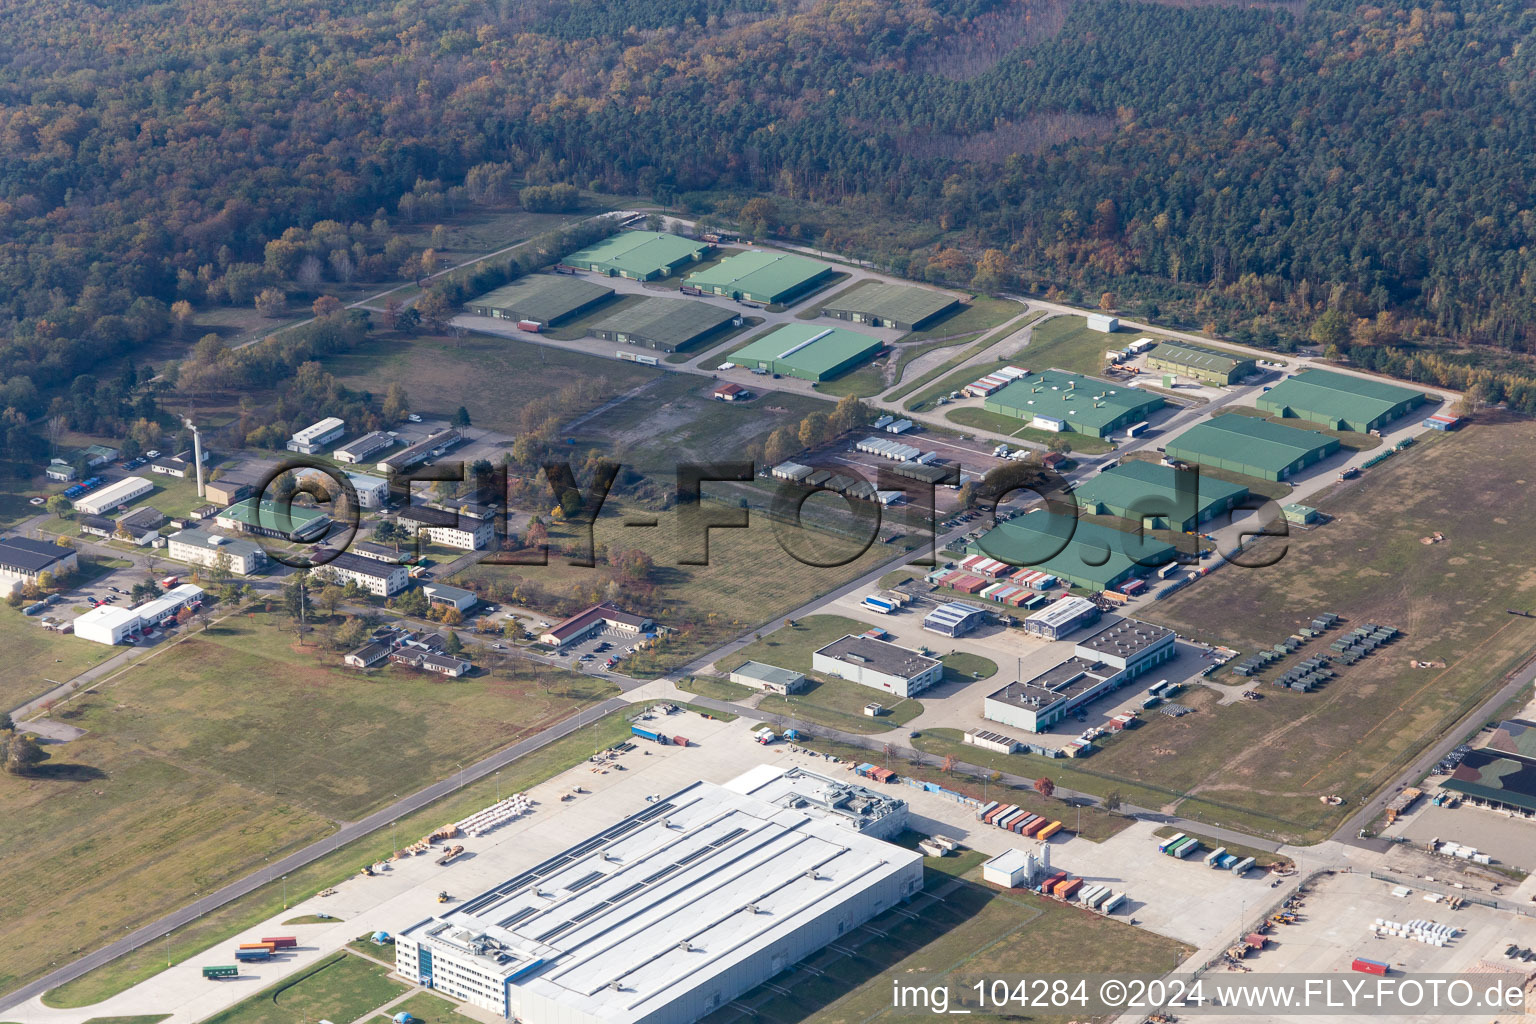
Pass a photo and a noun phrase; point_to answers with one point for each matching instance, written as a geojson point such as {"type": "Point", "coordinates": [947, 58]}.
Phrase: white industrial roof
{"type": "Point", "coordinates": [1010, 860]}
{"type": "Point", "coordinates": [661, 903]}
{"type": "Point", "coordinates": [319, 429]}
{"type": "Point", "coordinates": [113, 493]}
{"type": "Point", "coordinates": [1058, 613]}
{"type": "Point", "coordinates": [953, 612]}
{"type": "Point", "coordinates": [105, 617]}
{"type": "Point", "coordinates": [173, 598]}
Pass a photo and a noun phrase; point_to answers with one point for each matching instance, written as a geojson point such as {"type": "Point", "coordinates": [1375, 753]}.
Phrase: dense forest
{"type": "Point", "coordinates": [1353, 172]}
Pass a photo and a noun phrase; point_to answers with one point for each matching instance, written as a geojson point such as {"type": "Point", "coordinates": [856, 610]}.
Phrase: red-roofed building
{"type": "Point", "coordinates": [600, 616]}
{"type": "Point", "coordinates": [731, 392]}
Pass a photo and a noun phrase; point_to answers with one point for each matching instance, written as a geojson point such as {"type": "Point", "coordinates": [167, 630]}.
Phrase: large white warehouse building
{"type": "Point", "coordinates": [673, 911]}
{"type": "Point", "coordinates": [100, 502]}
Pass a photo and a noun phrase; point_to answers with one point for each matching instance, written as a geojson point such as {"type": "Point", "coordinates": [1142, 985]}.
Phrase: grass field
{"type": "Point", "coordinates": [749, 579]}
{"type": "Point", "coordinates": [492, 377]}
{"type": "Point", "coordinates": [948, 377]}
{"type": "Point", "coordinates": [718, 689]}
{"type": "Point", "coordinates": [1066, 343]}
{"type": "Point", "coordinates": [309, 919]}
{"type": "Point", "coordinates": [964, 666]}
{"type": "Point", "coordinates": [341, 988]}
{"type": "Point", "coordinates": [983, 419]}
{"type": "Point", "coordinates": [227, 750]}
{"type": "Point", "coordinates": [147, 1018]}
{"type": "Point", "coordinates": [36, 658]}
{"type": "Point", "coordinates": [791, 646]}
{"type": "Point", "coordinates": [956, 924]}
{"type": "Point", "coordinates": [424, 1006]}
{"type": "Point", "coordinates": [839, 704]}
{"type": "Point", "coordinates": [1261, 766]}
{"type": "Point", "coordinates": [223, 924]}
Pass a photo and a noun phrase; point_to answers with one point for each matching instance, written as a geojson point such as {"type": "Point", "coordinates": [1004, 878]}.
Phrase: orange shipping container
{"type": "Point", "coordinates": [1065, 889]}
{"type": "Point", "coordinates": [270, 947]}
{"type": "Point", "coordinates": [1049, 830]}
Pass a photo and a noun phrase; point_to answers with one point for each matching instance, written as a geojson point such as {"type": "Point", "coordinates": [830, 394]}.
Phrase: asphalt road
{"type": "Point", "coordinates": [312, 852]}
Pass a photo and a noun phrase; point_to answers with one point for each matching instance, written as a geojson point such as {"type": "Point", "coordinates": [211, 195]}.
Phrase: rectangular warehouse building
{"type": "Point", "coordinates": [1251, 446]}
{"type": "Point", "coordinates": [317, 435]}
{"type": "Point", "coordinates": [1339, 401]}
{"type": "Point", "coordinates": [1158, 497]}
{"type": "Point", "coordinates": [760, 276]}
{"type": "Point", "coordinates": [1199, 362]}
{"type": "Point", "coordinates": [808, 352]}
{"type": "Point", "coordinates": [545, 299]}
{"type": "Point", "coordinates": [1060, 401]}
{"type": "Point", "coordinates": [639, 255]}
{"type": "Point", "coordinates": [664, 324]}
{"type": "Point", "coordinates": [105, 499]}
{"type": "Point", "coordinates": [1095, 558]}
{"type": "Point", "coordinates": [879, 664]}
{"type": "Point", "coordinates": [903, 306]}
{"type": "Point", "coordinates": [672, 912]}
{"type": "Point", "coordinates": [274, 519]}
{"type": "Point", "coordinates": [1105, 661]}
{"type": "Point", "coordinates": [199, 547]}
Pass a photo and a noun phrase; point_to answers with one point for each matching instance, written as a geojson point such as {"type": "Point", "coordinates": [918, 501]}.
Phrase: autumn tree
{"type": "Point", "coordinates": [270, 302]}
{"type": "Point", "coordinates": [1044, 786]}
{"type": "Point", "coordinates": [326, 306]}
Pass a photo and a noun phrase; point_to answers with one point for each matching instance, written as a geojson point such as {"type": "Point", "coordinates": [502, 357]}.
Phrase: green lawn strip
{"type": "Point", "coordinates": [956, 378]}
{"type": "Point", "coordinates": [339, 987]}
{"type": "Point", "coordinates": [311, 919]}
{"type": "Point", "coordinates": [1262, 859]}
{"type": "Point", "coordinates": [839, 703]}
{"type": "Point", "coordinates": [250, 910]}
{"type": "Point", "coordinates": [964, 666]}
{"type": "Point", "coordinates": [864, 381]}
{"type": "Point", "coordinates": [424, 1006]}
{"type": "Point", "coordinates": [718, 689]}
{"type": "Point", "coordinates": [148, 1018]}
{"type": "Point", "coordinates": [791, 646]}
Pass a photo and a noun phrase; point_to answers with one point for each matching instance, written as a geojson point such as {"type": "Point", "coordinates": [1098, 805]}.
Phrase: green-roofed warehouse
{"type": "Point", "coordinates": [1057, 400]}
{"type": "Point", "coordinates": [639, 255]}
{"type": "Point", "coordinates": [1148, 493]}
{"type": "Point", "coordinates": [665, 324]}
{"type": "Point", "coordinates": [1096, 558]}
{"type": "Point", "coordinates": [760, 276]}
{"type": "Point", "coordinates": [807, 351]}
{"type": "Point", "coordinates": [543, 298]}
{"type": "Point", "coordinates": [1251, 446]}
{"type": "Point", "coordinates": [1339, 401]}
{"type": "Point", "coordinates": [1204, 364]}
{"type": "Point", "coordinates": [903, 306]}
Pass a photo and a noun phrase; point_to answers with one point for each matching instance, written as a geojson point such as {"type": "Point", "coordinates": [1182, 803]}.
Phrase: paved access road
{"type": "Point", "coordinates": [346, 834]}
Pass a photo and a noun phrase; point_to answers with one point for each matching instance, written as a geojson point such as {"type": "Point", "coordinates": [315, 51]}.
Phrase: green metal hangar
{"type": "Point", "coordinates": [1060, 401]}
{"type": "Point", "coordinates": [664, 324]}
{"type": "Point", "coordinates": [543, 299]}
{"type": "Point", "coordinates": [1149, 494]}
{"type": "Point", "coordinates": [639, 255]}
{"type": "Point", "coordinates": [759, 276]}
{"type": "Point", "coordinates": [1203, 364]}
{"type": "Point", "coordinates": [808, 352]}
{"type": "Point", "coordinates": [1251, 446]}
{"type": "Point", "coordinates": [891, 305]}
{"type": "Point", "coordinates": [1096, 558]}
{"type": "Point", "coordinates": [1339, 401]}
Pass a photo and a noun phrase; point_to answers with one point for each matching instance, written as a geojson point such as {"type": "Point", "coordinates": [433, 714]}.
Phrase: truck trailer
{"type": "Point", "coordinates": [648, 734]}
{"type": "Point", "coordinates": [215, 973]}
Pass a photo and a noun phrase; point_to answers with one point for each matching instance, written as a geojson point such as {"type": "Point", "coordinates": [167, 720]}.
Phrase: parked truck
{"type": "Point", "coordinates": [215, 973]}
{"type": "Point", "coordinates": [648, 734]}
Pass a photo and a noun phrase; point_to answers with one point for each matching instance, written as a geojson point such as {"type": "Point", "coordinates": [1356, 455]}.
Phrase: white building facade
{"type": "Point", "coordinates": [103, 500]}
{"type": "Point", "coordinates": [198, 547]}
{"type": "Point", "coordinates": [878, 664]}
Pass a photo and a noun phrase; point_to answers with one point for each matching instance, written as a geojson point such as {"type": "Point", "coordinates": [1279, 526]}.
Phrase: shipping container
{"type": "Point", "coordinates": [252, 955]}
{"type": "Point", "coordinates": [1099, 897]}
{"type": "Point", "coordinates": [1214, 856]}
{"type": "Point", "coordinates": [1049, 830]}
{"type": "Point", "coordinates": [1186, 848]}
{"type": "Point", "coordinates": [1024, 823]}
{"type": "Point", "coordinates": [1050, 883]}
{"type": "Point", "coordinates": [997, 812]}
{"type": "Point", "coordinates": [1170, 842]}
{"type": "Point", "coordinates": [681, 741]}
{"type": "Point", "coordinates": [875, 604]}
{"type": "Point", "coordinates": [1003, 820]}
{"type": "Point", "coordinates": [1034, 828]}
{"type": "Point", "coordinates": [221, 972]}
{"type": "Point", "coordinates": [1110, 905]}
{"type": "Point", "coordinates": [532, 326]}
{"type": "Point", "coordinates": [283, 942]}
{"type": "Point", "coordinates": [981, 815]}
{"type": "Point", "coordinates": [1242, 866]}
{"type": "Point", "coordinates": [1066, 889]}
{"type": "Point", "coordinates": [1088, 893]}
{"type": "Point", "coordinates": [270, 947]}
{"type": "Point", "coordinates": [1365, 966]}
